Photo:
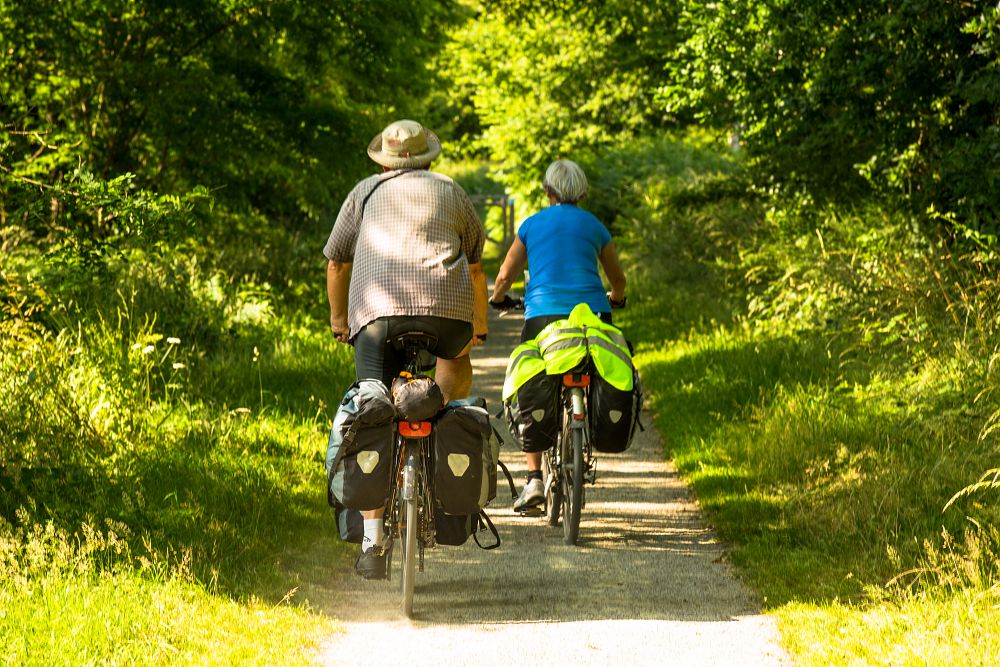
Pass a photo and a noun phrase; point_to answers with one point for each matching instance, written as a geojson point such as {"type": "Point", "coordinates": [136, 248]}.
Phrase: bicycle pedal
{"type": "Point", "coordinates": [532, 511]}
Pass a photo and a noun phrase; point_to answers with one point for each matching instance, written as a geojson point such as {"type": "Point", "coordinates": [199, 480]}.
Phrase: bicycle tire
{"type": "Point", "coordinates": [572, 486]}
{"type": "Point", "coordinates": [553, 487]}
{"type": "Point", "coordinates": [409, 556]}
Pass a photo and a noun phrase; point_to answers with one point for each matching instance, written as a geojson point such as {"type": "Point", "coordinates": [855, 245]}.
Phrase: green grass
{"type": "Point", "coordinates": [950, 629]}
{"type": "Point", "coordinates": [162, 476]}
{"type": "Point", "coordinates": [127, 618]}
{"type": "Point", "coordinates": [824, 383]}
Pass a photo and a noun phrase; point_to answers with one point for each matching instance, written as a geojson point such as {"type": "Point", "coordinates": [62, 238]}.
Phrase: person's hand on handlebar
{"type": "Point", "coordinates": [507, 303]}
{"type": "Point", "coordinates": [617, 303]}
{"type": "Point", "coordinates": [340, 329]}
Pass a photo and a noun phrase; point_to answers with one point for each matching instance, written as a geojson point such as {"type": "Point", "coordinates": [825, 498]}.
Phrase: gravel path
{"type": "Point", "coordinates": [648, 583]}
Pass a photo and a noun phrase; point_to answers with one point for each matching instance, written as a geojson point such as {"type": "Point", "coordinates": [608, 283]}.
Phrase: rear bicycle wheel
{"type": "Point", "coordinates": [410, 528]}
{"type": "Point", "coordinates": [572, 485]}
{"type": "Point", "coordinates": [553, 486]}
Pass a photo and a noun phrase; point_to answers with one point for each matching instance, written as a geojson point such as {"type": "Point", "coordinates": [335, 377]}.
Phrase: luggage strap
{"type": "Point", "coordinates": [482, 523]}
{"type": "Point", "coordinates": [510, 480]}
{"type": "Point", "coordinates": [345, 445]}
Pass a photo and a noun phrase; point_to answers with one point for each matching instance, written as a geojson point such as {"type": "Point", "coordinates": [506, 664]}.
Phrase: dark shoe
{"type": "Point", "coordinates": [371, 564]}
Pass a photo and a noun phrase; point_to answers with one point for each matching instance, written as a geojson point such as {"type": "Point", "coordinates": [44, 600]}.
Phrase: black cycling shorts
{"type": "Point", "coordinates": [374, 356]}
{"type": "Point", "coordinates": [534, 325]}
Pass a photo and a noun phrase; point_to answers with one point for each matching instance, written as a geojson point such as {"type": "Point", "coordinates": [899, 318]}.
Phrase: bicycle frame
{"type": "Point", "coordinates": [409, 514]}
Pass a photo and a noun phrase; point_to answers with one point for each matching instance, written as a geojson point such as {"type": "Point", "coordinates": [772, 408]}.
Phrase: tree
{"type": "Point", "coordinates": [262, 102]}
{"type": "Point", "coordinates": [553, 78]}
{"type": "Point", "coordinates": [843, 98]}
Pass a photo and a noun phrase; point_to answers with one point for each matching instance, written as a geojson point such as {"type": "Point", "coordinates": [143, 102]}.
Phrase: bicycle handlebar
{"type": "Point", "coordinates": [509, 303]}
{"type": "Point", "coordinates": [617, 305]}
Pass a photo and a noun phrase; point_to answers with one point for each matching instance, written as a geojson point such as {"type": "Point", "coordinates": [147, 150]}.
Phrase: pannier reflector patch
{"type": "Point", "coordinates": [458, 463]}
{"type": "Point", "coordinates": [367, 461]}
{"type": "Point", "coordinates": [615, 416]}
{"type": "Point", "coordinates": [538, 415]}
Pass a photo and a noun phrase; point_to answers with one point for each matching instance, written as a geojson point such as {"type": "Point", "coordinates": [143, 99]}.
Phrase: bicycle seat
{"type": "Point", "coordinates": [420, 340]}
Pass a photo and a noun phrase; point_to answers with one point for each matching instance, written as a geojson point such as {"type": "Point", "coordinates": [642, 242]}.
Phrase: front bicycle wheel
{"type": "Point", "coordinates": [410, 528]}
{"type": "Point", "coordinates": [572, 476]}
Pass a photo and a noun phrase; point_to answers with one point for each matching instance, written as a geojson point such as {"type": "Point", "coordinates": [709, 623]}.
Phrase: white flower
{"type": "Point", "coordinates": [149, 349]}
{"type": "Point", "coordinates": [137, 346]}
{"type": "Point", "coordinates": [178, 365]}
{"type": "Point", "coordinates": [174, 340]}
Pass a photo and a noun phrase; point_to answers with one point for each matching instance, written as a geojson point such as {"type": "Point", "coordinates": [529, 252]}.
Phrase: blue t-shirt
{"type": "Point", "coordinates": [563, 243]}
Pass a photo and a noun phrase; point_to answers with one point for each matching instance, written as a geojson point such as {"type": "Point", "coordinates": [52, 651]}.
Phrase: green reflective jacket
{"type": "Point", "coordinates": [565, 343]}
{"type": "Point", "coordinates": [525, 363]}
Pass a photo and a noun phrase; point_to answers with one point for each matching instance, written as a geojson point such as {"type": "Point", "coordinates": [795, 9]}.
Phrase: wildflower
{"type": "Point", "coordinates": [149, 349]}
{"type": "Point", "coordinates": [173, 340]}
{"type": "Point", "coordinates": [177, 365]}
{"type": "Point", "coordinates": [136, 346]}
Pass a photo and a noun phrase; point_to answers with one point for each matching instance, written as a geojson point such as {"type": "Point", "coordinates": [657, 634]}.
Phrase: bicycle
{"type": "Point", "coordinates": [410, 506]}
{"type": "Point", "coordinates": [570, 463]}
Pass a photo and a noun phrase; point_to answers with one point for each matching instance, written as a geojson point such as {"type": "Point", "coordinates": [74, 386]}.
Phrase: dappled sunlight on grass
{"type": "Point", "coordinates": [136, 620]}
{"type": "Point", "coordinates": [944, 629]}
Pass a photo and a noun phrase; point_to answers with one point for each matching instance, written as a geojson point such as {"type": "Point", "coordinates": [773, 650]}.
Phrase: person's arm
{"type": "Point", "coordinates": [513, 265]}
{"type": "Point", "coordinates": [480, 325]}
{"type": "Point", "coordinates": [613, 270]}
{"type": "Point", "coordinates": [338, 279]}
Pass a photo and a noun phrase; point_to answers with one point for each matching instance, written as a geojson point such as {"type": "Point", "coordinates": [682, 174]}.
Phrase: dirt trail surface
{"type": "Point", "coordinates": [646, 585]}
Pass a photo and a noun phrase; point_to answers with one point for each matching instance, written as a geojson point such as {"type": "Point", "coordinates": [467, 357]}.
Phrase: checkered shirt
{"type": "Point", "coordinates": [411, 247]}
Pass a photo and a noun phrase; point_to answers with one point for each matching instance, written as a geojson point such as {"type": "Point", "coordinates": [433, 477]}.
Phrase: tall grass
{"type": "Point", "coordinates": [162, 422]}
{"type": "Point", "coordinates": [826, 380]}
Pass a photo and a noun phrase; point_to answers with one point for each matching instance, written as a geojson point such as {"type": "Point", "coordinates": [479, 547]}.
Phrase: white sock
{"type": "Point", "coordinates": [373, 534]}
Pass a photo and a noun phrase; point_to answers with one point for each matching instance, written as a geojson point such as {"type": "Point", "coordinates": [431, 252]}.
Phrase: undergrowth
{"type": "Point", "coordinates": [826, 380]}
{"type": "Point", "coordinates": [163, 419]}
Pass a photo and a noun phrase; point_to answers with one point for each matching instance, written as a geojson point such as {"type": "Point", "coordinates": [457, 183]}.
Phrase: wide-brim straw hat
{"type": "Point", "coordinates": [403, 144]}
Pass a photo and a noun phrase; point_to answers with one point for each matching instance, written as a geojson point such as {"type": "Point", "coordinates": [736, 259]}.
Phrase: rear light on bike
{"type": "Point", "coordinates": [576, 379]}
{"type": "Point", "coordinates": [414, 429]}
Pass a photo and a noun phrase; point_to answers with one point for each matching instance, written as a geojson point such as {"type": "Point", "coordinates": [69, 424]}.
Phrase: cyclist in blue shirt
{"type": "Point", "coordinates": [562, 246]}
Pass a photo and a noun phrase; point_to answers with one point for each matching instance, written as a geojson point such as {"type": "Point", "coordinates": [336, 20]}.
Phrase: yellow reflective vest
{"type": "Point", "coordinates": [525, 363]}
{"type": "Point", "coordinates": [564, 344]}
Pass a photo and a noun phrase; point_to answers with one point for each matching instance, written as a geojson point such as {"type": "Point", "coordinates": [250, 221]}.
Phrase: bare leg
{"type": "Point", "coordinates": [534, 460]}
{"type": "Point", "coordinates": [454, 376]}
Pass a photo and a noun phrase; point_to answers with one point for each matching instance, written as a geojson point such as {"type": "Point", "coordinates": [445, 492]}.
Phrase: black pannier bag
{"type": "Point", "coordinates": [360, 448]}
{"type": "Point", "coordinates": [533, 413]}
{"type": "Point", "coordinates": [350, 524]}
{"type": "Point", "coordinates": [464, 467]}
{"type": "Point", "coordinates": [454, 529]}
{"type": "Point", "coordinates": [531, 399]}
{"type": "Point", "coordinates": [451, 529]}
{"type": "Point", "coordinates": [614, 414]}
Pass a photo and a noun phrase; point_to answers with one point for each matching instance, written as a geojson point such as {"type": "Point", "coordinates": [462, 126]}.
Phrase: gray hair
{"type": "Point", "coordinates": [565, 180]}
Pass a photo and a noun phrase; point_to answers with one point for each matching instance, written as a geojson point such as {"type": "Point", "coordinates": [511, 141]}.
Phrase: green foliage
{"type": "Point", "coordinates": [825, 374]}
{"type": "Point", "coordinates": [554, 79]}
{"type": "Point", "coordinates": [899, 96]}
{"type": "Point", "coordinates": [262, 103]}
{"type": "Point", "coordinates": [826, 379]}
{"type": "Point", "coordinates": [677, 211]}
{"type": "Point", "coordinates": [178, 419]}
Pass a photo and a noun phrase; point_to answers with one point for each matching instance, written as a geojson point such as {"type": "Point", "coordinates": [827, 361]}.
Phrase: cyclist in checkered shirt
{"type": "Point", "coordinates": [405, 253]}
